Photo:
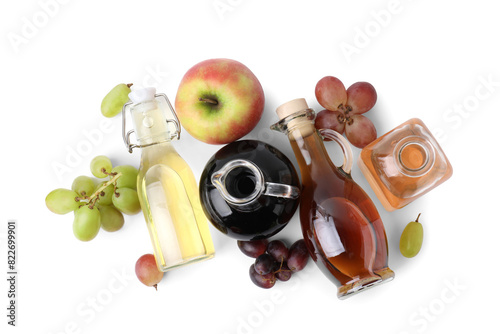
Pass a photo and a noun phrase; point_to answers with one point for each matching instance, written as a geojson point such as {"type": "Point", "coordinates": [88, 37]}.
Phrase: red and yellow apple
{"type": "Point", "coordinates": [219, 101]}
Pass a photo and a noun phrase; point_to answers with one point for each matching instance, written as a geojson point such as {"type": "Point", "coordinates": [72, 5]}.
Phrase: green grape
{"type": "Point", "coordinates": [87, 223]}
{"type": "Point", "coordinates": [126, 201]}
{"type": "Point", "coordinates": [111, 219]}
{"type": "Point", "coordinates": [83, 185]}
{"type": "Point", "coordinates": [62, 201]}
{"type": "Point", "coordinates": [106, 199]}
{"type": "Point", "coordinates": [113, 102]}
{"type": "Point", "coordinates": [99, 165]}
{"type": "Point", "coordinates": [128, 179]}
{"type": "Point", "coordinates": [411, 239]}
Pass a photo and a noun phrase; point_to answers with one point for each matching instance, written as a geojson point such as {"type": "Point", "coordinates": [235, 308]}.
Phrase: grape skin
{"type": "Point", "coordinates": [128, 179]}
{"type": "Point", "coordinates": [126, 200]}
{"type": "Point", "coordinates": [264, 281]}
{"type": "Point", "coordinates": [330, 119]}
{"type": "Point", "coordinates": [87, 223]}
{"type": "Point", "coordinates": [298, 256]}
{"type": "Point", "coordinates": [360, 131]}
{"type": "Point", "coordinates": [411, 239]}
{"type": "Point", "coordinates": [278, 250]}
{"type": "Point", "coordinates": [284, 273]}
{"type": "Point", "coordinates": [83, 185]}
{"type": "Point", "coordinates": [62, 201]}
{"type": "Point", "coordinates": [253, 248]}
{"type": "Point", "coordinates": [264, 264]}
{"type": "Point", "coordinates": [113, 102]}
{"type": "Point", "coordinates": [147, 272]}
{"type": "Point", "coordinates": [100, 163]}
{"type": "Point", "coordinates": [330, 93]}
{"type": "Point", "coordinates": [361, 97]}
{"type": "Point", "coordinates": [107, 198]}
{"type": "Point", "coordinates": [111, 218]}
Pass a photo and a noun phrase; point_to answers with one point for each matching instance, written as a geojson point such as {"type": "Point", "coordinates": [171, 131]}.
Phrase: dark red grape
{"type": "Point", "coordinates": [298, 256]}
{"type": "Point", "coordinates": [330, 119]}
{"type": "Point", "coordinates": [284, 273]}
{"type": "Point", "coordinates": [361, 97]}
{"type": "Point", "coordinates": [278, 250]}
{"type": "Point", "coordinates": [146, 270]}
{"type": "Point", "coordinates": [253, 248]}
{"type": "Point", "coordinates": [360, 131]}
{"type": "Point", "coordinates": [264, 281]}
{"type": "Point", "coordinates": [264, 264]}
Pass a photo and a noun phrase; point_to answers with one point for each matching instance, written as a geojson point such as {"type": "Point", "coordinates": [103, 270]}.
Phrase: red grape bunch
{"type": "Point", "coordinates": [273, 260]}
{"type": "Point", "coordinates": [343, 109]}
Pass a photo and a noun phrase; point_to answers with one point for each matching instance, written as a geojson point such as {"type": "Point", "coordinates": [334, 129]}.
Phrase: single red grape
{"type": "Point", "coordinates": [253, 248]}
{"type": "Point", "coordinates": [264, 264]}
{"type": "Point", "coordinates": [330, 93]}
{"type": "Point", "coordinates": [298, 256]}
{"type": "Point", "coordinates": [360, 131]}
{"type": "Point", "coordinates": [284, 273]}
{"type": "Point", "coordinates": [147, 272]}
{"type": "Point", "coordinates": [264, 281]}
{"type": "Point", "coordinates": [361, 97]}
{"type": "Point", "coordinates": [278, 250]}
{"type": "Point", "coordinates": [330, 119]}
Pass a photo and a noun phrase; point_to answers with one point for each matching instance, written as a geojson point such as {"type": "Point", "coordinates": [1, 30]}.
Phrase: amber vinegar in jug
{"type": "Point", "coordinates": [343, 231]}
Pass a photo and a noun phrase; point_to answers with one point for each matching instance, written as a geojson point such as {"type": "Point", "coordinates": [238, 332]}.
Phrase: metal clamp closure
{"type": "Point", "coordinates": [126, 134]}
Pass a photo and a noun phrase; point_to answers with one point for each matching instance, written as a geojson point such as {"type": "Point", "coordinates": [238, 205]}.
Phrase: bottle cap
{"type": "Point", "coordinates": [290, 107]}
{"type": "Point", "coordinates": [138, 95]}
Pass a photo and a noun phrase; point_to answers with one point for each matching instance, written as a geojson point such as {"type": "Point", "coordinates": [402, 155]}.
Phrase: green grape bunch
{"type": "Point", "coordinates": [98, 203]}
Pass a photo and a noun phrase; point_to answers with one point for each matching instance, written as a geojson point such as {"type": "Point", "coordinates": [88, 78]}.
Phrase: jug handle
{"type": "Point", "coordinates": [281, 190]}
{"type": "Point", "coordinates": [344, 145]}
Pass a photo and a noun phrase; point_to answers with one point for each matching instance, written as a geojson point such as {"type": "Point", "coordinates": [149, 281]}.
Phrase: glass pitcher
{"type": "Point", "coordinates": [340, 224]}
{"type": "Point", "coordinates": [249, 190]}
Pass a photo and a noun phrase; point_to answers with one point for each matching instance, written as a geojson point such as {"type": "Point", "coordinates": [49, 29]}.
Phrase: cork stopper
{"type": "Point", "coordinates": [290, 107]}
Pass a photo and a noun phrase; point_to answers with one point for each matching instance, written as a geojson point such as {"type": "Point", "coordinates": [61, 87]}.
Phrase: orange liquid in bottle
{"type": "Point", "coordinates": [404, 164]}
{"type": "Point", "coordinates": [341, 226]}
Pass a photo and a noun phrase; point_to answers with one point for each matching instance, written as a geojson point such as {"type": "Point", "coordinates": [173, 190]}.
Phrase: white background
{"type": "Point", "coordinates": [427, 59]}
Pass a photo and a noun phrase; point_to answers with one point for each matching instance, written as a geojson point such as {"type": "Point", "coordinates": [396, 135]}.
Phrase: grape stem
{"type": "Point", "coordinates": [92, 200]}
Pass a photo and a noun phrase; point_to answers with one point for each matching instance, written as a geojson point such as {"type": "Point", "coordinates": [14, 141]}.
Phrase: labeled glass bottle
{"type": "Point", "coordinates": [166, 186]}
{"type": "Point", "coordinates": [404, 164]}
{"type": "Point", "coordinates": [341, 226]}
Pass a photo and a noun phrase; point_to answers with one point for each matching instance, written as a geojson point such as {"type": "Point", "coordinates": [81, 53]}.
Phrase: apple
{"type": "Point", "coordinates": [219, 101]}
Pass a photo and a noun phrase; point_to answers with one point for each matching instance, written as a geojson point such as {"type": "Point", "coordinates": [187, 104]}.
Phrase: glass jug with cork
{"type": "Point", "coordinates": [341, 226]}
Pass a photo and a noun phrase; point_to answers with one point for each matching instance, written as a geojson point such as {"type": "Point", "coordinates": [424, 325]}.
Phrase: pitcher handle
{"type": "Point", "coordinates": [344, 145]}
{"type": "Point", "coordinates": [281, 190]}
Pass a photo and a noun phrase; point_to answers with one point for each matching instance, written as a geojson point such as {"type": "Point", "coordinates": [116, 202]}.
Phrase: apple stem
{"type": "Point", "coordinates": [206, 100]}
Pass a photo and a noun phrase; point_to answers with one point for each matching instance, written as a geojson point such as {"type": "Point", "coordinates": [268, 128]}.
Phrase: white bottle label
{"type": "Point", "coordinates": [328, 236]}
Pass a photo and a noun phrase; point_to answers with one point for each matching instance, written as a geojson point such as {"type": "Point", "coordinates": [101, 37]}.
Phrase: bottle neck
{"type": "Point", "coordinates": [308, 147]}
{"type": "Point", "coordinates": [306, 143]}
{"type": "Point", "coordinates": [150, 123]}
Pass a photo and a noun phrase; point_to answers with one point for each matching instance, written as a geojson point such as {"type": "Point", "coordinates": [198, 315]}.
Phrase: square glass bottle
{"type": "Point", "coordinates": [404, 164]}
